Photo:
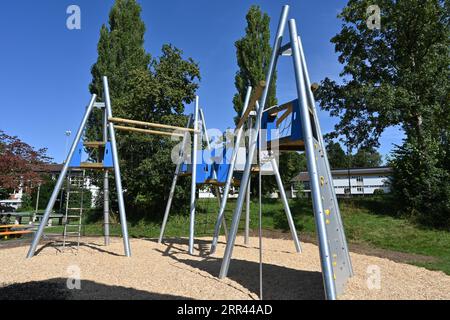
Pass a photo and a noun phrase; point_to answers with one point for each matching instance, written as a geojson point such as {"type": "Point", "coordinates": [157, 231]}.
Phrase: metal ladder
{"type": "Point", "coordinates": [73, 218]}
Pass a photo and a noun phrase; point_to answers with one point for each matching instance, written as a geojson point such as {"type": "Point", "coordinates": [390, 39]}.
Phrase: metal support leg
{"type": "Point", "coordinates": [60, 180]}
{"type": "Point", "coordinates": [106, 207]}
{"type": "Point", "coordinates": [118, 178]}
{"type": "Point", "coordinates": [224, 224]}
{"type": "Point", "coordinates": [247, 199]}
{"type": "Point", "coordinates": [194, 176]}
{"type": "Point", "coordinates": [325, 258]}
{"type": "Point", "coordinates": [247, 215]}
{"type": "Point", "coordinates": [105, 183]}
{"type": "Point", "coordinates": [287, 210]}
{"type": "Point", "coordinates": [174, 181]}
{"type": "Point", "coordinates": [248, 165]}
{"type": "Point", "coordinates": [208, 145]}
{"type": "Point", "coordinates": [226, 191]}
{"type": "Point", "coordinates": [33, 219]}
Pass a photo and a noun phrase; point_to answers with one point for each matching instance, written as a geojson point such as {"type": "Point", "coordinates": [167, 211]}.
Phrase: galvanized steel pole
{"type": "Point", "coordinates": [105, 182]}
{"type": "Point", "coordinates": [118, 178]}
{"type": "Point", "coordinates": [248, 165]}
{"type": "Point", "coordinates": [194, 178]}
{"type": "Point", "coordinates": [287, 210]}
{"type": "Point", "coordinates": [174, 181]}
{"type": "Point", "coordinates": [226, 191]}
{"type": "Point", "coordinates": [325, 258]}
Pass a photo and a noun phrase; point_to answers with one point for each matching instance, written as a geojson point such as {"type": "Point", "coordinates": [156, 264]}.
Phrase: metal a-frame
{"type": "Point", "coordinates": [199, 120]}
{"type": "Point", "coordinates": [108, 127]}
{"type": "Point", "coordinates": [249, 104]}
{"type": "Point", "coordinates": [334, 255]}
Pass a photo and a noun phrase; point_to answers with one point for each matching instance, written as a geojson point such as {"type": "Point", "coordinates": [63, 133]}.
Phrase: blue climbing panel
{"type": "Point", "coordinates": [204, 167]}
{"type": "Point", "coordinates": [283, 127]}
{"type": "Point", "coordinates": [222, 164]}
{"type": "Point", "coordinates": [107, 157]}
{"type": "Point", "coordinates": [76, 158]}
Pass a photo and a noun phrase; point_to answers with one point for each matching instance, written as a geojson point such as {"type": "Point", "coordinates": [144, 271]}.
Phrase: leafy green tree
{"type": "Point", "coordinates": [253, 53]}
{"type": "Point", "coordinates": [291, 165]}
{"type": "Point", "coordinates": [398, 75]}
{"type": "Point", "coordinates": [366, 157]}
{"type": "Point", "coordinates": [147, 89]}
{"type": "Point", "coordinates": [45, 192]}
{"type": "Point", "coordinates": [336, 155]}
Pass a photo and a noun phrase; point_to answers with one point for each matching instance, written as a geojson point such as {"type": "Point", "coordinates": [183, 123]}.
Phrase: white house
{"type": "Point", "coordinates": [353, 181]}
{"type": "Point", "coordinates": [15, 199]}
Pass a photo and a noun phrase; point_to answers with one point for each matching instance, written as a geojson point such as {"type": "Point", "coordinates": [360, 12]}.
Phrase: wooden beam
{"type": "Point", "coordinates": [255, 97]}
{"type": "Point", "coordinates": [147, 131]}
{"type": "Point", "coordinates": [94, 144]}
{"type": "Point", "coordinates": [273, 111]}
{"type": "Point", "coordinates": [91, 165]}
{"type": "Point", "coordinates": [284, 115]}
{"type": "Point", "coordinates": [149, 124]}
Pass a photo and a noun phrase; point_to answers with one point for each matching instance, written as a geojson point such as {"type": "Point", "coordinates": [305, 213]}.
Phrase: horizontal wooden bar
{"type": "Point", "coordinates": [92, 165]}
{"type": "Point", "coordinates": [147, 131]}
{"type": "Point", "coordinates": [94, 144]}
{"type": "Point", "coordinates": [274, 110]}
{"type": "Point", "coordinates": [10, 233]}
{"type": "Point", "coordinates": [284, 115]}
{"type": "Point", "coordinates": [14, 226]}
{"type": "Point", "coordinates": [255, 97]}
{"type": "Point", "coordinates": [149, 124]}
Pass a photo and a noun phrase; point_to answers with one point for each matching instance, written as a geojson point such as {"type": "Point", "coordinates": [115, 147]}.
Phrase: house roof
{"type": "Point", "coordinates": [304, 176]}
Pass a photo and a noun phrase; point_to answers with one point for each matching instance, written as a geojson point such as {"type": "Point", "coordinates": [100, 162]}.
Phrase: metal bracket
{"type": "Point", "coordinates": [286, 50]}
{"type": "Point", "coordinates": [99, 105]}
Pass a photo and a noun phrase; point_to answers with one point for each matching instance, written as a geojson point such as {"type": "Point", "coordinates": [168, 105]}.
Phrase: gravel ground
{"type": "Point", "coordinates": [166, 271]}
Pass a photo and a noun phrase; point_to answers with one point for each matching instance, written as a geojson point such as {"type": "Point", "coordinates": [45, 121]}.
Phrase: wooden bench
{"type": "Point", "coordinates": [8, 230]}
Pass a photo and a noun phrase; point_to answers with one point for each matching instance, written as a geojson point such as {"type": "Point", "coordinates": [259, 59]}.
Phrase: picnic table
{"type": "Point", "coordinates": [32, 217]}
{"type": "Point", "coordinates": [14, 230]}
{"type": "Point", "coordinates": [18, 216]}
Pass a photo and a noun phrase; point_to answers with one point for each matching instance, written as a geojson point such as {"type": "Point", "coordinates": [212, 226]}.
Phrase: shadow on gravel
{"type": "Point", "coordinates": [72, 246]}
{"type": "Point", "coordinates": [279, 283]}
{"type": "Point", "coordinates": [56, 289]}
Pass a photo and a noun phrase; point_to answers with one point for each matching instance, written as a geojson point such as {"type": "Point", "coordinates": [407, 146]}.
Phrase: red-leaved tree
{"type": "Point", "coordinates": [18, 162]}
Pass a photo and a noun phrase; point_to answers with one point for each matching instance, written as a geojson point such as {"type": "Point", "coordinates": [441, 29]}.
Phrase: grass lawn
{"type": "Point", "coordinates": [367, 221]}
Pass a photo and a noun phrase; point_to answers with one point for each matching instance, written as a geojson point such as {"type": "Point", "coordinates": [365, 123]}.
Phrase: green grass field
{"type": "Point", "coordinates": [367, 221]}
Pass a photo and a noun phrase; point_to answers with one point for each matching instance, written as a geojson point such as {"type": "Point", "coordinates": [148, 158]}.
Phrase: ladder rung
{"type": "Point", "coordinates": [72, 233]}
{"type": "Point", "coordinates": [73, 225]}
{"type": "Point", "coordinates": [75, 208]}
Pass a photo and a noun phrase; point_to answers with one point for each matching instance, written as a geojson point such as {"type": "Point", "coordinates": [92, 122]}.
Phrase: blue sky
{"type": "Point", "coordinates": [45, 68]}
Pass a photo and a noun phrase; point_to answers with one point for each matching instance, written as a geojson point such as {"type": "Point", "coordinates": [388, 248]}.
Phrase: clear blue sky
{"type": "Point", "coordinates": [45, 68]}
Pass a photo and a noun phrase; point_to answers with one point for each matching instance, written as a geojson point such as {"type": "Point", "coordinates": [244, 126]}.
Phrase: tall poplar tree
{"type": "Point", "coordinates": [253, 53]}
{"type": "Point", "coordinates": [142, 88]}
